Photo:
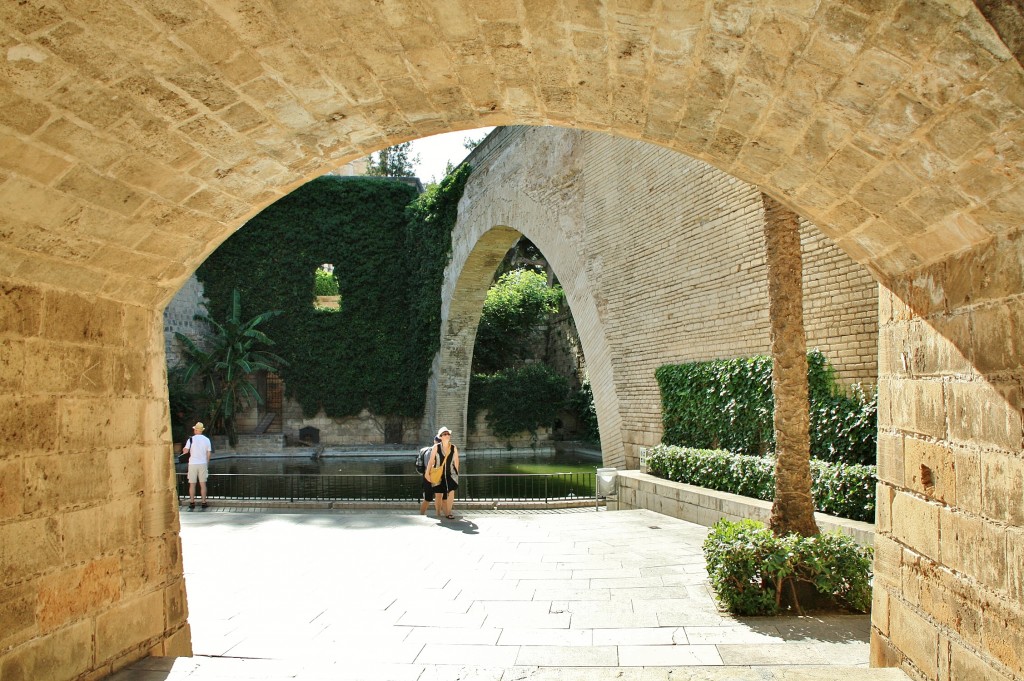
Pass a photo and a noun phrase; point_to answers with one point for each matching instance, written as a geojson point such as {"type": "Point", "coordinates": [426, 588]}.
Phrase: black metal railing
{"type": "Point", "coordinates": [483, 487]}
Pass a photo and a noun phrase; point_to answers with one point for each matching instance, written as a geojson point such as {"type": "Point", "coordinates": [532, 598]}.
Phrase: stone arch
{"type": "Point", "coordinates": [138, 135]}
{"type": "Point", "coordinates": [480, 241]}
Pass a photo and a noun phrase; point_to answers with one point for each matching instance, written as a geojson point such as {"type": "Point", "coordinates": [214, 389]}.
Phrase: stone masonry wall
{"type": "Point", "coordinates": [949, 563]}
{"type": "Point", "coordinates": [179, 317]}
{"type": "Point", "coordinates": [90, 559]}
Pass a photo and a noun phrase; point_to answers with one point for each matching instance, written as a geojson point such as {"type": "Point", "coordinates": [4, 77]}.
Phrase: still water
{"type": "Point", "coordinates": [472, 463]}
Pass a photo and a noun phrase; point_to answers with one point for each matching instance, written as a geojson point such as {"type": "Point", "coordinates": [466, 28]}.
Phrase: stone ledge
{"type": "Point", "coordinates": [705, 506]}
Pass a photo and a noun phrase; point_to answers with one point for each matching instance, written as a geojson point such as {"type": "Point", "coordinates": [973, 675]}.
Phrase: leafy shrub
{"type": "Point", "coordinates": [515, 307]}
{"type": "Point", "coordinates": [325, 284]}
{"type": "Point", "coordinates": [728, 404]}
{"type": "Point", "coordinates": [753, 572]}
{"type": "Point", "coordinates": [844, 490]}
{"type": "Point", "coordinates": [844, 427]}
{"type": "Point", "coordinates": [581, 404]}
{"type": "Point", "coordinates": [519, 400]}
{"type": "Point", "coordinates": [723, 404]}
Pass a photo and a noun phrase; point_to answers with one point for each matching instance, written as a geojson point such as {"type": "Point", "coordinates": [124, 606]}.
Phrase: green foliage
{"type": "Point", "coordinates": [581, 404]}
{"type": "Point", "coordinates": [845, 490]}
{"type": "Point", "coordinates": [518, 400]}
{"type": "Point", "coordinates": [393, 162]}
{"type": "Point", "coordinates": [515, 306]}
{"type": "Point", "coordinates": [233, 353]}
{"type": "Point", "coordinates": [753, 572]}
{"type": "Point", "coordinates": [184, 403]}
{"type": "Point", "coordinates": [844, 427]}
{"type": "Point", "coordinates": [719, 404]}
{"type": "Point", "coordinates": [326, 284]}
{"type": "Point", "coordinates": [389, 247]}
{"type": "Point", "coordinates": [728, 404]}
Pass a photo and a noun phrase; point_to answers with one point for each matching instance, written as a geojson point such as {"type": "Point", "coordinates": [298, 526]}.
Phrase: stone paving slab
{"type": "Point", "coordinates": [390, 596]}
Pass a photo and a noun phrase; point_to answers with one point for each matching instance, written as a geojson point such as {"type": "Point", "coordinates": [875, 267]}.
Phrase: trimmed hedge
{"type": "Point", "coordinates": [728, 404]}
{"type": "Point", "coordinates": [844, 490]}
{"type": "Point", "coordinates": [518, 400]}
{"type": "Point", "coordinates": [753, 572]}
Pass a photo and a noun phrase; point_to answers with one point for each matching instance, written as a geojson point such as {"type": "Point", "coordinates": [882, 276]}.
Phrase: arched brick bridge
{"type": "Point", "coordinates": [694, 287]}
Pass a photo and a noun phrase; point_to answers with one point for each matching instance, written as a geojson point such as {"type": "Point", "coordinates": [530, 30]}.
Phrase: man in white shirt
{"type": "Point", "coordinates": [198, 449]}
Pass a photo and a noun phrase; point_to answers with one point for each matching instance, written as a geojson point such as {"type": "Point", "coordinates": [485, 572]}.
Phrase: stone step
{"type": "Point", "coordinates": [248, 669]}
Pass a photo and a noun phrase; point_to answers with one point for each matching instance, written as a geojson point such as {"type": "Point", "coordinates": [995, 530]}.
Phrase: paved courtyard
{"type": "Point", "coordinates": [378, 595]}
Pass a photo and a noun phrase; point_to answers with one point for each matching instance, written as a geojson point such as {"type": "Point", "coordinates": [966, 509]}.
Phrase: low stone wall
{"type": "Point", "coordinates": [481, 437]}
{"type": "Point", "coordinates": [706, 506]}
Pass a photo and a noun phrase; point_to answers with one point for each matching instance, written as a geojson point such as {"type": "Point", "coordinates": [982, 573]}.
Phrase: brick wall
{"type": "Point", "coordinates": [179, 317]}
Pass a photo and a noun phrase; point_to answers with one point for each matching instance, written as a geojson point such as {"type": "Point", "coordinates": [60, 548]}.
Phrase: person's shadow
{"type": "Point", "coordinates": [463, 525]}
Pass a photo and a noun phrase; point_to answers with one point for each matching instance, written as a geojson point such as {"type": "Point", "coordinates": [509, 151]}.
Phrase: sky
{"type": "Point", "coordinates": [435, 152]}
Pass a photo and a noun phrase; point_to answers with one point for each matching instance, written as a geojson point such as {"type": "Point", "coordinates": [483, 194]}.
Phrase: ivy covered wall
{"type": "Point", "coordinates": [389, 248]}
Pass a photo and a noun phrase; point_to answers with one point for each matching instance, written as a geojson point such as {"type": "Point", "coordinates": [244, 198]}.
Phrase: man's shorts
{"type": "Point", "coordinates": [198, 472]}
{"type": "Point", "coordinates": [428, 490]}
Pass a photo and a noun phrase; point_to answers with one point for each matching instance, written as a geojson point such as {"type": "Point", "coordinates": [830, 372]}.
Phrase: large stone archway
{"type": "Point", "coordinates": [138, 134]}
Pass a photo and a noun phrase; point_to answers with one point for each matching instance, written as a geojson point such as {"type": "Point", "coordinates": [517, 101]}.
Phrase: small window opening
{"type": "Point", "coordinates": [326, 290]}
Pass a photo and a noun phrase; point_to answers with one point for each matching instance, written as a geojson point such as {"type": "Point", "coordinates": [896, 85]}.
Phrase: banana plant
{"type": "Point", "coordinates": [224, 362]}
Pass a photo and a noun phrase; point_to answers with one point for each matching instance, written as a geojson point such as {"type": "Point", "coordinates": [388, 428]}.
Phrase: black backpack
{"type": "Point", "coordinates": [183, 457]}
{"type": "Point", "coordinates": [422, 458]}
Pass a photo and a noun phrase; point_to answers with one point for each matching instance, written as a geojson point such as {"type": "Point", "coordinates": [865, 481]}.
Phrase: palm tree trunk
{"type": "Point", "coordinates": [793, 505]}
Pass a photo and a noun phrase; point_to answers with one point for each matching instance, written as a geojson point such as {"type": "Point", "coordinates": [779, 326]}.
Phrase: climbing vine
{"type": "Point", "coordinates": [389, 248]}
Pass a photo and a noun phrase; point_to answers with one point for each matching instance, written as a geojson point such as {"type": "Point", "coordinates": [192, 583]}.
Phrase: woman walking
{"type": "Point", "coordinates": [446, 457]}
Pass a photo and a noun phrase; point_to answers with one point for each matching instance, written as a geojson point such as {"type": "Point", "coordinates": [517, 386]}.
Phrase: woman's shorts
{"type": "Point", "coordinates": [198, 472]}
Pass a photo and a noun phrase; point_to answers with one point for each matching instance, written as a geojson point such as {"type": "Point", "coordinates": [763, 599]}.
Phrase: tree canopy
{"type": "Point", "coordinates": [394, 161]}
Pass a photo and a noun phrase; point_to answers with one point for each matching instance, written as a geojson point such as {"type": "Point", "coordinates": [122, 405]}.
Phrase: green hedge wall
{"type": "Point", "coordinates": [728, 404]}
{"type": "Point", "coordinates": [845, 490]}
{"type": "Point", "coordinates": [518, 399]}
{"type": "Point", "coordinates": [389, 248]}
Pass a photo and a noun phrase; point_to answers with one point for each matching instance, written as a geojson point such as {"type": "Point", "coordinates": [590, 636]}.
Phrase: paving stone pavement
{"type": "Point", "coordinates": [497, 596]}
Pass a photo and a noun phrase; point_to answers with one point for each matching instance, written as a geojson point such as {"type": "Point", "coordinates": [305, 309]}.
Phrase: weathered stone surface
{"type": "Point", "coordinates": [27, 547]}
{"type": "Point", "coordinates": [70, 595]}
{"type": "Point", "coordinates": [65, 654]}
{"type": "Point", "coordinates": [62, 480]}
{"type": "Point", "coordinates": [975, 546]}
{"type": "Point", "coordinates": [916, 523]}
{"type": "Point", "coordinates": [928, 470]}
{"type": "Point", "coordinates": [132, 622]}
{"type": "Point", "coordinates": [18, 613]}
{"type": "Point", "coordinates": [913, 637]}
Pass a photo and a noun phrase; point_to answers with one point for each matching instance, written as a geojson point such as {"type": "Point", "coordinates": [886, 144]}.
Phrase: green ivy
{"type": "Point", "coordinates": [753, 572]}
{"type": "Point", "coordinates": [728, 404]}
{"type": "Point", "coordinates": [581, 404]}
{"type": "Point", "coordinates": [389, 248]}
{"type": "Point", "coordinates": [518, 400]}
{"type": "Point", "coordinates": [844, 490]}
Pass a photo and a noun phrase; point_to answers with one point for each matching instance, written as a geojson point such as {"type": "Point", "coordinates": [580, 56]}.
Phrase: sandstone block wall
{"type": "Point", "coordinates": [90, 560]}
{"type": "Point", "coordinates": [949, 587]}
